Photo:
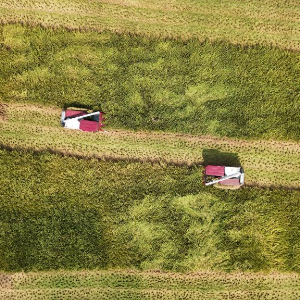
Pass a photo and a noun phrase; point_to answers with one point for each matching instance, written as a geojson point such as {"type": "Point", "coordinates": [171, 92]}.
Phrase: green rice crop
{"type": "Point", "coordinates": [155, 84]}
{"type": "Point", "coordinates": [64, 213]}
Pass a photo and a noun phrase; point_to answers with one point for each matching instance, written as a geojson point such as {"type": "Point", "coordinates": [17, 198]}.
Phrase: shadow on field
{"type": "Point", "coordinates": [3, 111]}
{"type": "Point", "coordinates": [215, 157]}
{"type": "Point", "coordinates": [81, 106]}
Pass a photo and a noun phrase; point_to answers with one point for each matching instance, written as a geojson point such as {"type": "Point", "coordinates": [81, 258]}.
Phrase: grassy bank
{"type": "Point", "coordinates": [58, 212]}
{"type": "Point", "coordinates": [266, 163]}
{"type": "Point", "coordinates": [152, 84]}
{"type": "Point", "coordinates": [251, 22]}
{"type": "Point", "coordinates": [130, 284]}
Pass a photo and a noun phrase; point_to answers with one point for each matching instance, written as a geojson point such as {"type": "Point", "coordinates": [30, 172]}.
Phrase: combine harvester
{"type": "Point", "coordinates": [224, 177]}
{"type": "Point", "coordinates": [82, 120]}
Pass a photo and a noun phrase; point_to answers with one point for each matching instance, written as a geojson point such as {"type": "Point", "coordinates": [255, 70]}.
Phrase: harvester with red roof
{"type": "Point", "coordinates": [224, 176]}
{"type": "Point", "coordinates": [82, 120]}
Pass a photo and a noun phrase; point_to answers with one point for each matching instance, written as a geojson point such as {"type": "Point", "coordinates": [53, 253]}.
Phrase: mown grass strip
{"type": "Point", "coordinates": [64, 213]}
{"type": "Point", "coordinates": [155, 84]}
{"type": "Point", "coordinates": [266, 163]}
{"type": "Point", "coordinates": [252, 22]}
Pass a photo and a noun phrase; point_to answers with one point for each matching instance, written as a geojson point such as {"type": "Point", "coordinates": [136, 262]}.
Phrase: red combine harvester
{"type": "Point", "coordinates": [82, 120]}
{"type": "Point", "coordinates": [224, 176]}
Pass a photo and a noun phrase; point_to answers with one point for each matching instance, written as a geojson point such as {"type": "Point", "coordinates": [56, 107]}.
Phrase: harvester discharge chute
{"type": "Point", "coordinates": [82, 120]}
{"type": "Point", "coordinates": [224, 176]}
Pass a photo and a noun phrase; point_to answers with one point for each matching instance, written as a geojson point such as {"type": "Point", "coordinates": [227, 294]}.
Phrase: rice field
{"type": "Point", "coordinates": [266, 22]}
{"type": "Point", "coordinates": [123, 214]}
{"type": "Point", "coordinates": [132, 284]}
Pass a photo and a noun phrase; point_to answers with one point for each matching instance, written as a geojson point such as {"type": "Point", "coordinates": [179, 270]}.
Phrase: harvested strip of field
{"type": "Point", "coordinates": [130, 284]}
{"type": "Point", "coordinates": [250, 22]}
{"type": "Point", "coordinates": [266, 163]}
{"type": "Point", "coordinates": [128, 294]}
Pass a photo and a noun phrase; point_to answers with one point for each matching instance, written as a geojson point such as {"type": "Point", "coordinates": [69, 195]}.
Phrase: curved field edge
{"type": "Point", "coordinates": [266, 163]}
{"type": "Point", "coordinates": [129, 284]}
{"type": "Point", "coordinates": [155, 84]}
{"type": "Point", "coordinates": [252, 22]}
{"type": "Point", "coordinates": [68, 213]}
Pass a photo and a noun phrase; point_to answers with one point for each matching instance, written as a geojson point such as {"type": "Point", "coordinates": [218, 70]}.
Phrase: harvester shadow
{"type": "Point", "coordinates": [81, 106]}
{"type": "Point", "coordinates": [215, 157]}
{"type": "Point", "coordinates": [3, 112]}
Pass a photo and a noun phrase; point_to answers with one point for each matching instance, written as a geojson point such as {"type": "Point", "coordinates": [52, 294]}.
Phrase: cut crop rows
{"type": "Point", "coordinates": [251, 22]}
{"type": "Point", "coordinates": [131, 284]}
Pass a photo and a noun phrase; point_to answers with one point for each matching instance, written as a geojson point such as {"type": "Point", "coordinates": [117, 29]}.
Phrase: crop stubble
{"type": "Point", "coordinates": [131, 284]}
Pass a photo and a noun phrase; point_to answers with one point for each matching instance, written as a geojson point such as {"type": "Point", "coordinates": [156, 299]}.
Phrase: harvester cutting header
{"type": "Point", "coordinates": [82, 120]}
